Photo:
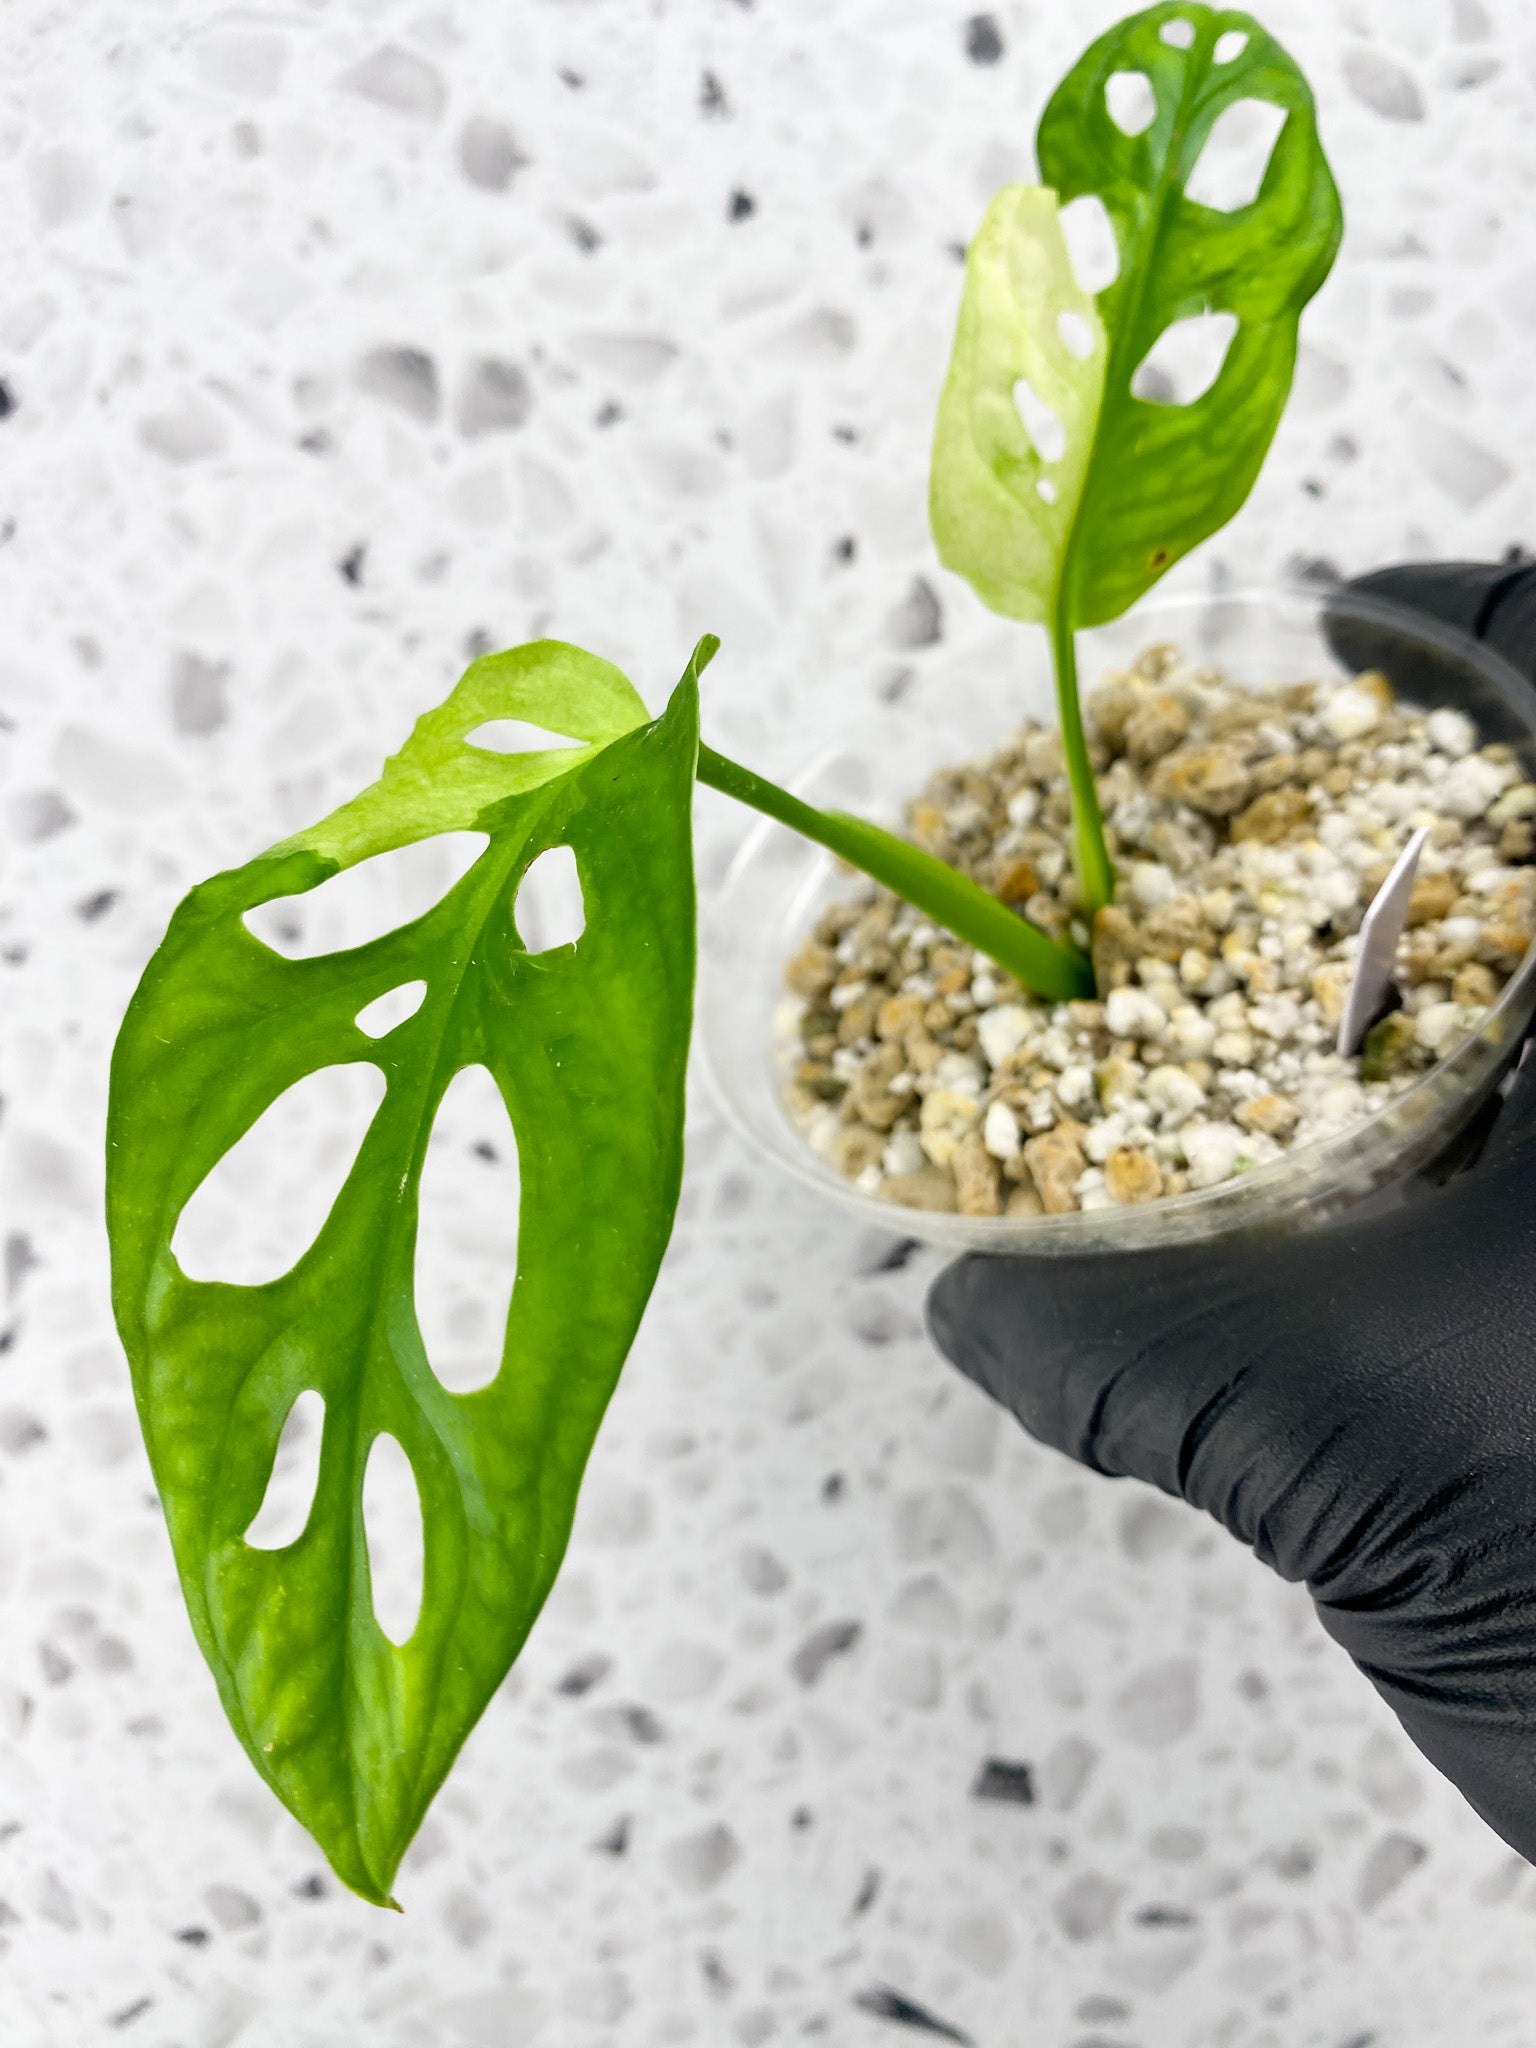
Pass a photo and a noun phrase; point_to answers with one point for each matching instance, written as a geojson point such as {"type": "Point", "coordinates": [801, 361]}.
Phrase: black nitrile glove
{"type": "Point", "coordinates": [1358, 1405]}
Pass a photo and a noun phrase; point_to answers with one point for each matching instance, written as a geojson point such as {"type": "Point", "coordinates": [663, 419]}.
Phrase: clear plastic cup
{"type": "Point", "coordinates": [778, 884]}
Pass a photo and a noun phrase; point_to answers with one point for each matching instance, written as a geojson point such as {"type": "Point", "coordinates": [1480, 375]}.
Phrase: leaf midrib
{"type": "Point", "coordinates": [420, 1133]}
{"type": "Point", "coordinates": [1124, 330]}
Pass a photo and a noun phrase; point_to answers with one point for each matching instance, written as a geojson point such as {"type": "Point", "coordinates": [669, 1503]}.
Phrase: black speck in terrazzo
{"type": "Point", "coordinates": [478, 642]}
{"type": "Point", "coordinates": [1361, 2041]}
{"type": "Point", "coordinates": [93, 907]}
{"type": "Point", "coordinates": [583, 1675]}
{"type": "Point", "coordinates": [7, 400]}
{"type": "Point", "coordinates": [866, 1895]}
{"type": "Point", "coordinates": [7, 532]}
{"type": "Point", "coordinates": [19, 1261]}
{"type": "Point", "coordinates": [57, 1669]}
{"type": "Point", "coordinates": [918, 621]}
{"type": "Point", "coordinates": [316, 442]}
{"type": "Point", "coordinates": [568, 77]}
{"type": "Point", "coordinates": [717, 1978]}
{"type": "Point", "coordinates": [896, 685]}
{"type": "Point", "coordinates": [1312, 487]}
{"type": "Point", "coordinates": [20, 1431]}
{"type": "Point", "coordinates": [740, 206]}
{"type": "Point", "coordinates": [844, 548]}
{"type": "Point", "coordinates": [832, 1639]}
{"type": "Point", "coordinates": [194, 1937]}
{"type": "Point", "coordinates": [713, 104]}
{"type": "Point", "coordinates": [1001, 1779]}
{"type": "Point", "coordinates": [1164, 1916]}
{"type": "Point", "coordinates": [405, 378]}
{"type": "Point", "coordinates": [583, 234]}
{"type": "Point", "coordinates": [983, 39]}
{"type": "Point", "coordinates": [882, 2003]}
{"type": "Point", "coordinates": [312, 1887]}
{"type": "Point", "coordinates": [1393, 1860]}
{"type": "Point", "coordinates": [832, 1486]}
{"type": "Point", "coordinates": [1315, 569]}
{"type": "Point", "coordinates": [801, 1820]}
{"type": "Point", "coordinates": [608, 414]}
{"type": "Point", "coordinates": [130, 2013]}
{"type": "Point", "coordinates": [614, 1841]}
{"type": "Point", "coordinates": [847, 435]}
{"type": "Point", "coordinates": [641, 1725]}
{"type": "Point", "coordinates": [890, 1257]}
{"type": "Point", "coordinates": [352, 564]}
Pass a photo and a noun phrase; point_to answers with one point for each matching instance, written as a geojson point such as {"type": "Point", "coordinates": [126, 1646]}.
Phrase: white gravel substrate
{"type": "Point", "coordinates": [1250, 830]}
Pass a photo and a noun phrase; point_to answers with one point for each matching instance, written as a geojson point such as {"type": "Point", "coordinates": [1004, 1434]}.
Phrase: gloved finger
{"type": "Point", "coordinates": [1490, 603]}
{"type": "Point", "coordinates": [1465, 595]}
{"type": "Point", "coordinates": [1514, 1129]}
{"type": "Point", "coordinates": [1121, 1362]}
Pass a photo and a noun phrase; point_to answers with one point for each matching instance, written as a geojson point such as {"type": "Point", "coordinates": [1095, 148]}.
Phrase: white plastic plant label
{"type": "Point", "coordinates": [1380, 931]}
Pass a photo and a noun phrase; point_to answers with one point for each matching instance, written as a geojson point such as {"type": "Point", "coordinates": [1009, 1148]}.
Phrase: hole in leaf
{"type": "Point", "coordinates": [1075, 334]}
{"type": "Point", "coordinates": [466, 1233]}
{"type": "Point", "coordinates": [517, 736]}
{"type": "Point", "coordinates": [1090, 239]}
{"type": "Point", "coordinates": [1236, 155]}
{"type": "Point", "coordinates": [284, 1512]}
{"type": "Point", "coordinates": [1041, 422]}
{"type": "Point", "coordinates": [550, 909]}
{"type": "Point", "coordinates": [1231, 46]}
{"type": "Point", "coordinates": [366, 901]}
{"type": "Point", "coordinates": [1047, 489]}
{"type": "Point", "coordinates": [1178, 34]}
{"type": "Point", "coordinates": [1131, 101]}
{"type": "Point", "coordinates": [396, 1552]}
{"type": "Point", "coordinates": [1185, 360]}
{"type": "Point", "coordinates": [258, 1211]}
{"type": "Point", "coordinates": [389, 1011]}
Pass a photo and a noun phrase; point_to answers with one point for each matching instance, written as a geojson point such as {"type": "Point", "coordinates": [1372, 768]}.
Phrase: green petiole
{"type": "Point", "coordinates": [1090, 855]}
{"type": "Point", "coordinates": [1057, 972]}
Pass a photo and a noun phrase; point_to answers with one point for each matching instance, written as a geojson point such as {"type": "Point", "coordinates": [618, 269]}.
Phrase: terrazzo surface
{"type": "Point", "coordinates": [338, 342]}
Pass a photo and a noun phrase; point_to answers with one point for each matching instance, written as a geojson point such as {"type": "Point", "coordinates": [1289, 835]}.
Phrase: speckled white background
{"type": "Point", "coordinates": [708, 247]}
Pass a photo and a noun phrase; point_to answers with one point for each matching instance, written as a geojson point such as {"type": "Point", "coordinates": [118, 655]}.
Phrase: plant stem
{"type": "Point", "coordinates": [1058, 972]}
{"type": "Point", "coordinates": [1095, 873]}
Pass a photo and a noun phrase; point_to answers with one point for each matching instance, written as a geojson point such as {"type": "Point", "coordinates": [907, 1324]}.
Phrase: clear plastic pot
{"type": "Point", "coordinates": [778, 884]}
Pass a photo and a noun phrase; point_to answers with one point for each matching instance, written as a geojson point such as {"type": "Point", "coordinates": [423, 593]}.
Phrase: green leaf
{"type": "Point", "coordinates": [588, 1045]}
{"type": "Point", "coordinates": [1002, 515]}
{"type": "Point", "coordinates": [1140, 482]}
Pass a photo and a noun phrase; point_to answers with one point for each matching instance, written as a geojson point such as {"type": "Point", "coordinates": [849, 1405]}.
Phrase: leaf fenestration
{"type": "Point", "coordinates": [587, 1045]}
{"type": "Point", "coordinates": [1163, 478]}
{"type": "Point", "coordinates": [1142, 481]}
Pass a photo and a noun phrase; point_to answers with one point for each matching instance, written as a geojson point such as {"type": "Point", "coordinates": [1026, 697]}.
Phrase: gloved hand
{"type": "Point", "coordinates": [1358, 1405]}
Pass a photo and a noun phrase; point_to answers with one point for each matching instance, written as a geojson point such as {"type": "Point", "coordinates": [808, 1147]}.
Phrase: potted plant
{"type": "Point", "coordinates": [587, 1041]}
